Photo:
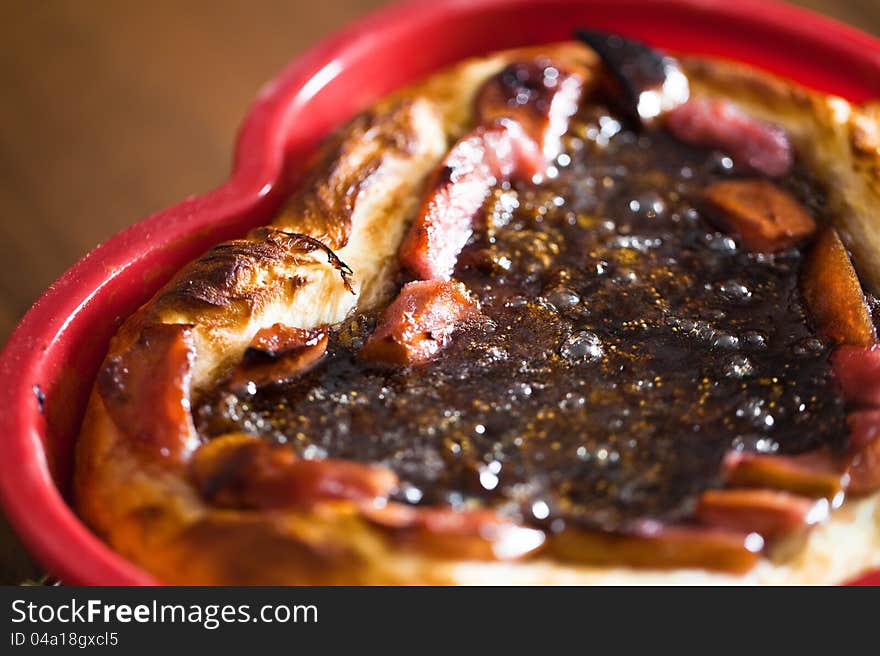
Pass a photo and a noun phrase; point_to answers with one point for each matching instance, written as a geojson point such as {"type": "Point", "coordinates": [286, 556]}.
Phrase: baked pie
{"type": "Point", "coordinates": [576, 313]}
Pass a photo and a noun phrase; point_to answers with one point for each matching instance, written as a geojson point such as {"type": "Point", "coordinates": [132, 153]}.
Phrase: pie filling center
{"type": "Point", "coordinates": [624, 346]}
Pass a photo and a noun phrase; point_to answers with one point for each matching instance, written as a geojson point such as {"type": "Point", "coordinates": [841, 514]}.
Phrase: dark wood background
{"type": "Point", "coordinates": [113, 109]}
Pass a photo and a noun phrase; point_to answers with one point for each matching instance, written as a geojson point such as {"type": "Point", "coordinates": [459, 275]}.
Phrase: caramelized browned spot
{"type": "Point", "coordinates": [662, 547]}
{"type": "Point", "coordinates": [242, 471]}
{"type": "Point", "coordinates": [419, 322]}
{"type": "Point", "coordinates": [834, 295]}
{"type": "Point", "coordinates": [813, 474]}
{"type": "Point", "coordinates": [345, 167]}
{"type": "Point", "coordinates": [145, 389]}
{"type": "Point", "coordinates": [230, 276]}
{"type": "Point", "coordinates": [278, 354]}
{"type": "Point", "coordinates": [764, 216]}
{"type": "Point", "coordinates": [768, 512]}
{"type": "Point", "coordinates": [642, 82]}
{"type": "Point", "coordinates": [458, 534]}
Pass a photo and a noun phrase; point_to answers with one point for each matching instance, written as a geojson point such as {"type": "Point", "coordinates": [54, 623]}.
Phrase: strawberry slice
{"type": "Point", "coordinates": [864, 466]}
{"type": "Point", "coordinates": [857, 369]}
{"type": "Point", "coordinates": [485, 157]}
{"type": "Point", "coordinates": [146, 390]}
{"type": "Point", "coordinates": [278, 354]}
{"type": "Point", "coordinates": [539, 95]}
{"type": "Point", "coordinates": [463, 535]}
{"type": "Point", "coordinates": [754, 144]}
{"type": "Point", "coordinates": [659, 546]}
{"type": "Point", "coordinates": [812, 474]}
{"type": "Point", "coordinates": [419, 322]}
{"type": "Point", "coordinates": [765, 217]}
{"type": "Point", "coordinates": [523, 111]}
{"type": "Point", "coordinates": [768, 512]}
{"type": "Point", "coordinates": [243, 471]}
{"type": "Point", "coordinates": [834, 295]}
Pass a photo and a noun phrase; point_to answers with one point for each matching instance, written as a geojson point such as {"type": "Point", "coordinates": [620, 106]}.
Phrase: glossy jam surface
{"type": "Point", "coordinates": [626, 345]}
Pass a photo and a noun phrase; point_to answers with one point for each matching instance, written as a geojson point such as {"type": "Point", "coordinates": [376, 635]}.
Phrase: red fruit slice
{"type": "Point", "coordinates": [768, 512]}
{"type": "Point", "coordinates": [539, 95]}
{"type": "Point", "coordinates": [146, 390]}
{"type": "Point", "coordinates": [242, 471]}
{"type": "Point", "coordinates": [465, 535]}
{"type": "Point", "coordinates": [764, 216]}
{"type": "Point", "coordinates": [755, 144]}
{"type": "Point", "coordinates": [278, 354]}
{"type": "Point", "coordinates": [812, 474]}
{"type": "Point", "coordinates": [419, 322]}
{"type": "Point", "coordinates": [864, 467]}
{"type": "Point", "coordinates": [662, 547]}
{"type": "Point", "coordinates": [523, 111]}
{"type": "Point", "coordinates": [857, 369]}
{"type": "Point", "coordinates": [481, 159]}
{"type": "Point", "coordinates": [833, 293]}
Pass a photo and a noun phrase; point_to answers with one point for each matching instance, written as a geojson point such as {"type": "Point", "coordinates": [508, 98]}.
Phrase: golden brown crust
{"type": "Point", "coordinates": [227, 278]}
{"type": "Point", "coordinates": [362, 189]}
{"type": "Point", "coordinates": [345, 167]}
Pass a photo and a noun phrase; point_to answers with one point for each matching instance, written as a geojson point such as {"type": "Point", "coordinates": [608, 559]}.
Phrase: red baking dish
{"type": "Point", "coordinates": [50, 360]}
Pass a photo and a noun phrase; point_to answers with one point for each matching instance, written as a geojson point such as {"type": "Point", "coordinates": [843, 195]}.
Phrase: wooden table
{"type": "Point", "coordinates": [112, 110]}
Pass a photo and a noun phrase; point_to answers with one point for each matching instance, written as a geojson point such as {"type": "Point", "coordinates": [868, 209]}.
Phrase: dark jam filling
{"type": "Point", "coordinates": [627, 346]}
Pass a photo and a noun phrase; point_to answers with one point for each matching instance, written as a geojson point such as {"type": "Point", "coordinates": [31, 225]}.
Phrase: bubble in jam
{"type": "Point", "coordinates": [582, 347]}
